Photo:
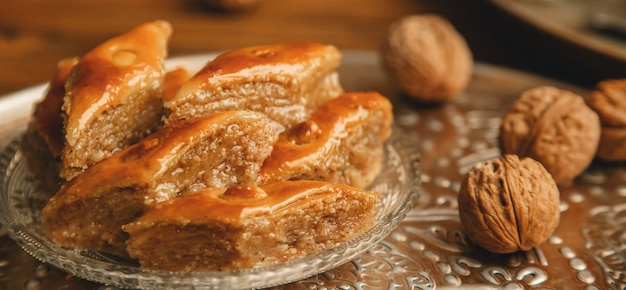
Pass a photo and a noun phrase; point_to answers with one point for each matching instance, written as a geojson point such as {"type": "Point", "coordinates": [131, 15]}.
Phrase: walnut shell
{"type": "Point", "coordinates": [612, 145]}
{"type": "Point", "coordinates": [427, 58]}
{"type": "Point", "coordinates": [508, 204]}
{"type": "Point", "coordinates": [608, 100]}
{"type": "Point", "coordinates": [554, 127]}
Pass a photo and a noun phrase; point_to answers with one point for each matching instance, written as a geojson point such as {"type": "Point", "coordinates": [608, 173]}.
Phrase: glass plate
{"type": "Point", "coordinates": [21, 202]}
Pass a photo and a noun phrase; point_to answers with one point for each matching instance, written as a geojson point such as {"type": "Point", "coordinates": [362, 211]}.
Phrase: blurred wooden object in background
{"type": "Point", "coordinates": [35, 34]}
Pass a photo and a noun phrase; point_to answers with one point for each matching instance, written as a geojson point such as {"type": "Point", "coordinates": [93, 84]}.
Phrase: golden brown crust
{"type": "Point", "coordinates": [342, 142]}
{"type": "Point", "coordinates": [246, 226]}
{"type": "Point", "coordinates": [101, 79]}
{"type": "Point", "coordinates": [113, 96]}
{"type": "Point", "coordinates": [286, 82]}
{"type": "Point", "coordinates": [212, 151]}
{"type": "Point", "coordinates": [173, 81]}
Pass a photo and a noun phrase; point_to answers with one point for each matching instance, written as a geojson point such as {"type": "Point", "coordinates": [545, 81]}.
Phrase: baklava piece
{"type": "Point", "coordinates": [219, 150]}
{"type": "Point", "coordinates": [286, 82]}
{"type": "Point", "coordinates": [114, 96]}
{"type": "Point", "coordinates": [342, 142]}
{"type": "Point", "coordinates": [248, 226]}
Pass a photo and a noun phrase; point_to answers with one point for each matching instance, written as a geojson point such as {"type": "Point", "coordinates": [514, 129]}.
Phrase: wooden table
{"type": "Point", "coordinates": [35, 34]}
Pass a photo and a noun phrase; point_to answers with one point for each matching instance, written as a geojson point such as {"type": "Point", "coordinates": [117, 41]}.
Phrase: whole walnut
{"type": "Point", "coordinates": [608, 100]}
{"type": "Point", "coordinates": [612, 147]}
{"type": "Point", "coordinates": [554, 127]}
{"type": "Point", "coordinates": [427, 58]}
{"type": "Point", "coordinates": [509, 204]}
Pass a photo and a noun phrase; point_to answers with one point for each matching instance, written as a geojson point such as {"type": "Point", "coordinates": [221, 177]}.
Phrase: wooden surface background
{"type": "Point", "coordinates": [35, 34]}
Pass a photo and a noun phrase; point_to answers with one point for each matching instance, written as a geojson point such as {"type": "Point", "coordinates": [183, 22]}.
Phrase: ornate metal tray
{"type": "Point", "coordinates": [429, 249]}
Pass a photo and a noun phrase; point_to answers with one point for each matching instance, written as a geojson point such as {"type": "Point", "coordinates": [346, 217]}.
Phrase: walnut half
{"type": "Point", "coordinates": [509, 204]}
